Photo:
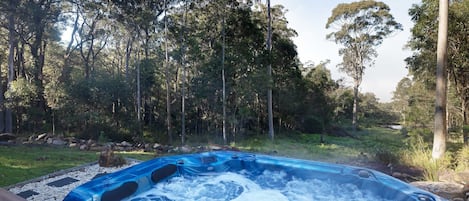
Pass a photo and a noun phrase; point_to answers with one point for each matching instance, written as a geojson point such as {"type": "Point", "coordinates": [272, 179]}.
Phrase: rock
{"type": "Point", "coordinates": [455, 177]}
{"type": "Point", "coordinates": [84, 147]}
{"type": "Point", "coordinates": [73, 145]}
{"type": "Point", "coordinates": [97, 148]}
{"type": "Point", "coordinates": [403, 176]}
{"type": "Point", "coordinates": [214, 147]}
{"type": "Point", "coordinates": [125, 144]}
{"type": "Point", "coordinates": [58, 142]}
{"type": "Point", "coordinates": [41, 136]}
{"type": "Point", "coordinates": [5, 137]}
{"type": "Point", "coordinates": [49, 140]}
{"type": "Point", "coordinates": [185, 149]}
{"type": "Point", "coordinates": [119, 148]}
{"type": "Point", "coordinates": [156, 146]}
{"type": "Point", "coordinates": [90, 142]}
{"type": "Point", "coordinates": [444, 189]}
{"type": "Point", "coordinates": [32, 138]}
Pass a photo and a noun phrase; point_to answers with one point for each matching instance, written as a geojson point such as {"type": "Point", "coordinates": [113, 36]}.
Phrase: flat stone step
{"type": "Point", "coordinates": [28, 193]}
{"type": "Point", "coordinates": [62, 182]}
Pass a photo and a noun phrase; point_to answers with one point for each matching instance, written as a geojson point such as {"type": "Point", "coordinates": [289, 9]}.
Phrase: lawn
{"type": "Point", "coordinates": [21, 163]}
{"type": "Point", "coordinates": [378, 144]}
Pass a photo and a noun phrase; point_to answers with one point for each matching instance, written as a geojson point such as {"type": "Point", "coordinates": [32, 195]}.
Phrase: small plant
{"type": "Point", "coordinates": [462, 159]}
{"type": "Point", "coordinates": [386, 156]}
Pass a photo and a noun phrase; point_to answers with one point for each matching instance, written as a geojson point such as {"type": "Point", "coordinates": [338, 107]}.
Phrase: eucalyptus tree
{"type": "Point", "coordinates": [182, 61]}
{"type": "Point", "coordinates": [440, 132]}
{"type": "Point", "coordinates": [360, 27]}
{"type": "Point", "coordinates": [269, 72]}
{"type": "Point", "coordinates": [167, 76]}
{"type": "Point", "coordinates": [424, 43]}
{"type": "Point", "coordinates": [223, 74]}
{"type": "Point", "coordinates": [270, 116]}
{"type": "Point", "coordinates": [11, 7]}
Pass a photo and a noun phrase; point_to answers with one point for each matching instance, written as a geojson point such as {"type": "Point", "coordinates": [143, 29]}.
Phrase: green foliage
{"type": "Point", "coordinates": [417, 134]}
{"type": "Point", "coordinates": [21, 93]}
{"type": "Point", "coordinates": [88, 87]}
{"type": "Point", "coordinates": [421, 64]}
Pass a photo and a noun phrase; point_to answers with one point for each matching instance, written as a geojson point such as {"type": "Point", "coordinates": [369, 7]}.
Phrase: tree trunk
{"type": "Point", "coordinates": [269, 73]}
{"type": "Point", "coordinates": [2, 104]}
{"type": "Point", "coordinates": [128, 51]}
{"type": "Point", "coordinates": [66, 69]}
{"type": "Point", "coordinates": [465, 120]}
{"type": "Point", "coordinates": [223, 76]}
{"type": "Point", "coordinates": [355, 106]}
{"type": "Point", "coordinates": [440, 132]}
{"type": "Point", "coordinates": [139, 97]}
{"type": "Point", "coordinates": [184, 77]}
{"type": "Point", "coordinates": [168, 101]}
{"type": "Point", "coordinates": [12, 42]}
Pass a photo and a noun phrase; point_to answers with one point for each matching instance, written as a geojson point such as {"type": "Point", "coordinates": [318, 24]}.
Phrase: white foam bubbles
{"type": "Point", "coordinates": [268, 186]}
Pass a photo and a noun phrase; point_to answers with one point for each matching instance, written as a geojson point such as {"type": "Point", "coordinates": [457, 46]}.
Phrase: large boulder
{"type": "Point", "coordinates": [461, 177]}
{"type": "Point", "coordinates": [446, 190]}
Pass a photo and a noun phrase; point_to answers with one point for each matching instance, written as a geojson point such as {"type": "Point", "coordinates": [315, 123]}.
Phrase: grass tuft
{"type": "Point", "coordinates": [420, 155]}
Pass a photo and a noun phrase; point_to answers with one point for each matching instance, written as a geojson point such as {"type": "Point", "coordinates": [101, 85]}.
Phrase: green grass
{"type": "Point", "coordinates": [375, 143]}
{"type": "Point", "coordinates": [21, 163]}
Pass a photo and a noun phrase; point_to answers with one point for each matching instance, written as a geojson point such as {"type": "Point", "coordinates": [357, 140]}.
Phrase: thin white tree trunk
{"type": "Point", "coordinates": [440, 132]}
{"type": "Point", "coordinates": [223, 77]}
{"type": "Point", "coordinates": [139, 94]}
{"type": "Point", "coordinates": [355, 106]}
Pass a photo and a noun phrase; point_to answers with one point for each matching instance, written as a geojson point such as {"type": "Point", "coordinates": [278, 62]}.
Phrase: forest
{"type": "Point", "coordinates": [173, 71]}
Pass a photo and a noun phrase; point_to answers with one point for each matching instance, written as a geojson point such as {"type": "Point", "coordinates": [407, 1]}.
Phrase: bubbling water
{"type": "Point", "coordinates": [268, 186]}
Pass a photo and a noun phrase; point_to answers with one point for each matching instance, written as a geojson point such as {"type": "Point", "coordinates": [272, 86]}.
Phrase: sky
{"type": "Point", "coordinates": [309, 17]}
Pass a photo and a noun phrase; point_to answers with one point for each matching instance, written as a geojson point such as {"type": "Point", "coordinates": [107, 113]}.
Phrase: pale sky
{"type": "Point", "coordinates": [309, 17]}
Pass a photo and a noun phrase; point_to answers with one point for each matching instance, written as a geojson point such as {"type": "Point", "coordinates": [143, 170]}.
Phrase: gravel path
{"type": "Point", "coordinates": [57, 185]}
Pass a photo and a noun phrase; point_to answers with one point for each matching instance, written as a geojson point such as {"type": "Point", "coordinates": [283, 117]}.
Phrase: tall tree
{"type": "Point", "coordinates": [12, 43]}
{"type": "Point", "coordinates": [223, 45]}
{"type": "Point", "coordinates": [269, 72]}
{"type": "Point", "coordinates": [440, 132]}
{"type": "Point", "coordinates": [166, 64]}
{"type": "Point", "coordinates": [360, 27]}
{"type": "Point", "coordinates": [184, 75]}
